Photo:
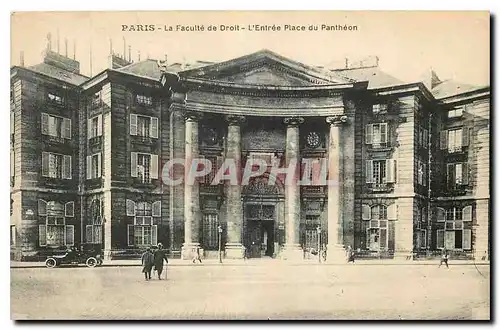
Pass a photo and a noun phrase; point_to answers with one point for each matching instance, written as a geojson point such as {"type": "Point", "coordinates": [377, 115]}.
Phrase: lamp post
{"type": "Point", "coordinates": [318, 230]}
{"type": "Point", "coordinates": [220, 244]}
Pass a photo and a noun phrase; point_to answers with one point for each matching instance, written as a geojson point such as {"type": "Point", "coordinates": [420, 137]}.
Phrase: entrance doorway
{"type": "Point", "coordinates": [260, 238]}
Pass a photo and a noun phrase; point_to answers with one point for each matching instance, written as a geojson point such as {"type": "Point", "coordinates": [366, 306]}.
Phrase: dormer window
{"type": "Point", "coordinates": [96, 99]}
{"type": "Point", "coordinates": [456, 113]}
{"type": "Point", "coordinates": [379, 108]}
{"type": "Point", "coordinates": [144, 99]}
{"type": "Point", "coordinates": [55, 98]}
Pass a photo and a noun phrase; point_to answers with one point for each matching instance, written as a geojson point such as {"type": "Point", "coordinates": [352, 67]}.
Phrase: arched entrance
{"type": "Point", "coordinates": [262, 202]}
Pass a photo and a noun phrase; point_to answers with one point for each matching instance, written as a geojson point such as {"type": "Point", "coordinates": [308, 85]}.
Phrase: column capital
{"type": "Point", "coordinates": [235, 120]}
{"type": "Point", "coordinates": [293, 121]}
{"type": "Point", "coordinates": [336, 120]}
{"type": "Point", "coordinates": [192, 116]}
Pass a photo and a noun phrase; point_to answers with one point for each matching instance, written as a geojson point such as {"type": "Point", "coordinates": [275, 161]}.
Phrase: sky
{"type": "Point", "coordinates": [456, 45]}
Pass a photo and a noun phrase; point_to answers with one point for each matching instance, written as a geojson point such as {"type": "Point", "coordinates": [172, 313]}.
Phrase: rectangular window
{"type": "Point", "coordinates": [144, 100]}
{"type": "Point", "coordinates": [378, 108]}
{"type": "Point", "coordinates": [143, 166]}
{"type": "Point", "coordinates": [12, 235]}
{"type": "Point", "coordinates": [56, 126]}
{"type": "Point", "coordinates": [455, 235]}
{"type": "Point", "coordinates": [96, 99]}
{"type": "Point", "coordinates": [210, 232]}
{"type": "Point", "coordinates": [93, 234]}
{"type": "Point", "coordinates": [379, 171]}
{"type": "Point", "coordinates": [457, 175]}
{"type": "Point", "coordinates": [376, 135]}
{"type": "Point", "coordinates": [455, 140]}
{"type": "Point", "coordinates": [56, 165]}
{"type": "Point", "coordinates": [54, 98]}
{"type": "Point", "coordinates": [95, 126]}
{"type": "Point", "coordinates": [143, 126]}
{"type": "Point", "coordinates": [95, 164]}
{"type": "Point", "coordinates": [455, 113]}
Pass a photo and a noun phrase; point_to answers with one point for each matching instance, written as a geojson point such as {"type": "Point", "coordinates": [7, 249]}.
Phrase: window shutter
{"type": "Point", "coordinates": [153, 127]}
{"type": "Point", "coordinates": [99, 165]}
{"type": "Point", "coordinates": [157, 209]}
{"type": "Point", "coordinates": [383, 133]}
{"type": "Point", "coordinates": [88, 234]}
{"type": "Point", "coordinates": [89, 167]}
{"type": "Point", "coordinates": [426, 138]}
{"type": "Point", "coordinates": [130, 208]}
{"type": "Point", "coordinates": [440, 214]}
{"type": "Point", "coordinates": [390, 170]}
{"type": "Point", "coordinates": [450, 175]}
{"type": "Point", "coordinates": [444, 140]}
{"type": "Point", "coordinates": [153, 170]}
{"type": "Point", "coordinates": [70, 235]}
{"type": "Point", "coordinates": [67, 128]}
{"type": "Point", "coordinates": [45, 123]}
{"type": "Point", "coordinates": [154, 235]}
{"type": "Point", "coordinates": [133, 124]}
{"type": "Point", "coordinates": [42, 235]}
{"type": "Point", "coordinates": [99, 125]}
{"type": "Point", "coordinates": [465, 137]}
{"type": "Point", "coordinates": [45, 164]}
{"type": "Point", "coordinates": [130, 235]}
{"type": "Point", "coordinates": [392, 212]}
{"type": "Point", "coordinates": [369, 171]}
{"type": "Point", "coordinates": [42, 207]}
{"type": "Point", "coordinates": [467, 213]}
{"type": "Point", "coordinates": [133, 164]}
{"type": "Point", "coordinates": [369, 133]}
{"type": "Point", "coordinates": [465, 173]}
{"type": "Point", "coordinates": [66, 167]}
{"type": "Point", "coordinates": [69, 209]}
{"type": "Point", "coordinates": [440, 239]}
{"type": "Point", "coordinates": [466, 239]}
{"type": "Point", "coordinates": [366, 212]}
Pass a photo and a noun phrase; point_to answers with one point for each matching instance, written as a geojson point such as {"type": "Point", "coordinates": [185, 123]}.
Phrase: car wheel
{"type": "Point", "coordinates": [50, 263]}
{"type": "Point", "coordinates": [91, 262]}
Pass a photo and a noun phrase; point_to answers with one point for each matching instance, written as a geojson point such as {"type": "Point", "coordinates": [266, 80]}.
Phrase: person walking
{"type": "Point", "coordinates": [158, 257]}
{"type": "Point", "coordinates": [147, 263]}
{"type": "Point", "coordinates": [197, 256]}
{"type": "Point", "coordinates": [444, 258]}
{"type": "Point", "coordinates": [350, 254]}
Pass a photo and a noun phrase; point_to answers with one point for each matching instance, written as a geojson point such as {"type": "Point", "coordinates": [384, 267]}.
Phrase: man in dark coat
{"type": "Point", "coordinates": [159, 256]}
{"type": "Point", "coordinates": [147, 263]}
{"type": "Point", "coordinates": [444, 258]}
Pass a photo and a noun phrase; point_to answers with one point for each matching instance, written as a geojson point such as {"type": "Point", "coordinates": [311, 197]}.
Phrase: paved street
{"type": "Point", "coordinates": [271, 290]}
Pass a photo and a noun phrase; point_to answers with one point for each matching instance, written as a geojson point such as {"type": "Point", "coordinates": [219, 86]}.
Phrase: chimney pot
{"type": "Point", "coordinates": [21, 60]}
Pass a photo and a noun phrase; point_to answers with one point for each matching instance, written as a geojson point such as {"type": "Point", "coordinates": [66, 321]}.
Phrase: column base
{"type": "Point", "coordinates": [292, 252]}
{"type": "Point", "coordinates": [336, 254]}
{"type": "Point", "coordinates": [189, 251]}
{"type": "Point", "coordinates": [235, 251]}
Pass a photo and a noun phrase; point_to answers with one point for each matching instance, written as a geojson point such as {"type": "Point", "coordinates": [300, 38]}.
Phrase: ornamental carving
{"type": "Point", "coordinates": [192, 116]}
{"type": "Point", "coordinates": [336, 120]}
{"type": "Point", "coordinates": [260, 186]}
{"type": "Point", "coordinates": [293, 121]}
{"type": "Point", "coordinates": [235, 120]}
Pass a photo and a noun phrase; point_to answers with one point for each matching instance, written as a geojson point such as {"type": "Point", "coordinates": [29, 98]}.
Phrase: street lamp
{"type": "Point", "coordinates": [220, 244]}
{"type": "Point", "coordinates": [318, 230]}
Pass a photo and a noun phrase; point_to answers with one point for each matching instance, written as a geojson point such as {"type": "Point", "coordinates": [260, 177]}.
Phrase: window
{"type": "Point", "coordinates": [96, 99]}
{"type": "Point", "coordinates": [311, 231]}
{"type": "Point", "coordinates": [376, 135]}
{"type": "Point", "coordinates": [455, 139]}
{"type": "Point", "coordinates": [456, 232]}
{"type": "Point", "coordinates": [457, 112]}
{"type": "Point", "coordinates": [55, 232]}
{"type": "Point", "coordinates": [54, 98]}
{"type": "Point", "coordinates": [143, 232]}
{"type": "Point", "coordinates": [144, 166]}
{"type": "Point", "coordinates": [94, 166]}
{"type": "Point", "coordinates": [144, 100]}
{"type": "Point", "coordinates": [94, 127]}
{"type": "Point", "coordinates": [144, 126]}
{"type": "Point", "coordinates": [457, 175]}
{"type": "Point", "coordinates": [56, 165]}
{"type": "Point", "coordinates": [423, 137]}
{"type": "Point", "coordinates": [378, 108]}
{"type": "Point", "coordinates": [381, 171]}
{"type": "Point", "coordinates": [93, 229]}
{"type": "Point", "coordinates": [208, 178]}
{"type": "Point", "coordinates": [12, 235]}
{"type": "Point", "coordinates": [421, 235]}
{"type": "Point", "coordinates": [421, 173]}
{"type": "Point", "coordinates": [56, 126]}
{"type": "Point", "coordinates": [377, 217]}
{"type": "Point", "coordinates": [210, 231]}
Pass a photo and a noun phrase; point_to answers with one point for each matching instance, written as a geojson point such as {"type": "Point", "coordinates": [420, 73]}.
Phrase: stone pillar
{"type": "Point", "coordinates": [335, 248]}
{"type": "Point", "coordinates": [234, 245]}
{"type": "Point", "coordinates": [191, 190]}
{"type": "Point", "coordinates": [292, 249]}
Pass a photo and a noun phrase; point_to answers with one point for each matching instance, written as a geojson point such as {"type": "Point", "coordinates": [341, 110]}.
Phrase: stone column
{"type": "Point", "coordinates": [192, 213]}
{"type": "Point", "coordinates": [292, 249]}
{"type": "Point", "coordinates": [234, 246]}
{"type": "Point", "coordinates": [335, 248]}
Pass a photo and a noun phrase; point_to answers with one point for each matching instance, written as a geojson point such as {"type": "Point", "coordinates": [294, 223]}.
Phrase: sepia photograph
{"type": "Point", "coordinates": [250, 165]}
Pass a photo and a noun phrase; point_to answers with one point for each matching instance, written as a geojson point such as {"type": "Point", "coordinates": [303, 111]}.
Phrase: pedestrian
{"type": "Point", "coordinates": [350, 254]}
{"type": "Point", "coordinates": [147, 263]}
{"type": "Point", "coordinates": [444, 258]}
{"type": "Point", "coordinates": [197, 256]}
{"type": "Point", "coordinates": [158, 256]}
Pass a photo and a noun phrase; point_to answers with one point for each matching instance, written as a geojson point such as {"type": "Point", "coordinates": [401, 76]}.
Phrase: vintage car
{"type": "Point", "coordinates": [84, 254]}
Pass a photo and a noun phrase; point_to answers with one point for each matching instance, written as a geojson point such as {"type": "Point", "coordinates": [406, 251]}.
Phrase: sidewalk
{"type": "Point", "coordinates": [261, 262]}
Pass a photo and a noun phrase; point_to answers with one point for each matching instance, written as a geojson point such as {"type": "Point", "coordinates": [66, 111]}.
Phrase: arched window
{"type": "Point", "coordinates": [93, 230]}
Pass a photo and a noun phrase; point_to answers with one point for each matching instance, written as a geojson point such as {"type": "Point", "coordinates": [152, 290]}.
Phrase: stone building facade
{"type": "Point", "coordinates": [409, 162]}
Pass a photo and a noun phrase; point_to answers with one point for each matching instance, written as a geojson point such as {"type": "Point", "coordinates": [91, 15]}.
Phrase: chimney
{"type": "Point", "coordinates": [49, 42]}
{"type": "Point", "coordinates": [130, 53]}
{"type": "Point", "coordinates": [430, 79]}
{"type": "Point", "coordinates": [21, 59]}
{"type": "Point", "coordinates": [74, 49]}
{"type": "Point", "coordinates": [346, 63]}
{"type": "Point", "coordinates": [124, 48]}
{"type": "Point", "coordinates": [110, 46]}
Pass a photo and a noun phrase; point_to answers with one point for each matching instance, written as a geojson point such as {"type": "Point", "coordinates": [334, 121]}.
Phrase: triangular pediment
{"type": "Point", "coordinates": [264, 68]}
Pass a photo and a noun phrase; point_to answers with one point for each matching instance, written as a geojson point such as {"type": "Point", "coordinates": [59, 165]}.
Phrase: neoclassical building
{"type": "Point", "coordinates": [408, 162]}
